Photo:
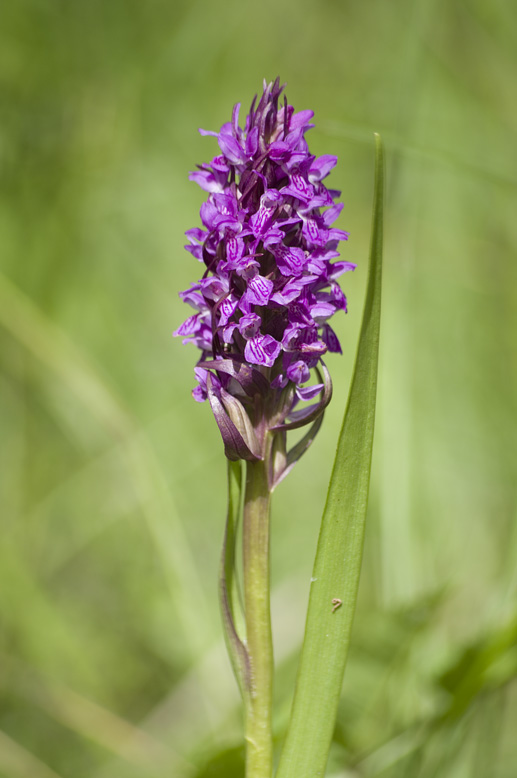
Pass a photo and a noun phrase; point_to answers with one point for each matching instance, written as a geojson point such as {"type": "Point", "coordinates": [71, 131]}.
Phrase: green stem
{"type": "Point", "coordinates": [257, 499]}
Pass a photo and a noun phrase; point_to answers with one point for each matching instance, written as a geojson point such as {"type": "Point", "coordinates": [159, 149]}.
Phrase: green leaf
{"type": "Point", "coordinates": [340, 546]}
{"type": "Point", "coordinates": [233, 621]}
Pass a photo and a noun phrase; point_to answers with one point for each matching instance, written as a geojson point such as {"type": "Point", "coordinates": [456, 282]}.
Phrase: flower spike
{"type": "Point", "coordinates": [262, 306]}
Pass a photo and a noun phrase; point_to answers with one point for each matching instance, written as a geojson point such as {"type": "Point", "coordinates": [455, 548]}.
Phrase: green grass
{"type": "Point", "coordinates": [112, 480]}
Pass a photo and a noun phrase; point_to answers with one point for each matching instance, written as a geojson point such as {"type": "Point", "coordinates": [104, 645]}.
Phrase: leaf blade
{"type": "Point", "coordinates": [233, 622]}
{"type": "Point", "coordinates": [340, 545]}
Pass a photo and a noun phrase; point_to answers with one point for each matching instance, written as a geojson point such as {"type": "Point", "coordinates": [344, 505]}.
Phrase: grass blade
{"type": "Point", "coordinates": [340, 546]}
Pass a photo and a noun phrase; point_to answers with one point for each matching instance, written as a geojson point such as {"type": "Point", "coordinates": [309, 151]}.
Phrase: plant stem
{"type": "Point", "coordinates": [257, 499]}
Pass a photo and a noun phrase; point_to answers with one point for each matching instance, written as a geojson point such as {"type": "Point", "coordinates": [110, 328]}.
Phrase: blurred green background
{"type": "Point", "coordinates": [112, 478]}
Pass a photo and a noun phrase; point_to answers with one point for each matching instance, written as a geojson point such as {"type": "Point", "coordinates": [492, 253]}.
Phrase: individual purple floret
{"type": "Point", "coordinates": [269, 284]}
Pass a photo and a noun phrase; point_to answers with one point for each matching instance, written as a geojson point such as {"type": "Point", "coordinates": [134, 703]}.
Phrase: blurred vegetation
{"type": "Point", "coordinates": [112, 478]}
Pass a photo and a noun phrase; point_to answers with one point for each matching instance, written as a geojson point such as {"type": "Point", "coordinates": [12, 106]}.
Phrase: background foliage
{"type": "Point", "coordinates": [112, 478]}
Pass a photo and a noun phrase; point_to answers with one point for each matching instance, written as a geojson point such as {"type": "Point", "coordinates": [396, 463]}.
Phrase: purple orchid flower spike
{"type": "Point", "coordinates": [260, 317]}
{"type": "Point", "coordinates": [270, 281]}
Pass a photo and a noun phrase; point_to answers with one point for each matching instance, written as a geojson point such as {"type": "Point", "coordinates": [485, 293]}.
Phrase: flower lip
{"type": "Point", "coordinates": [262, 350]}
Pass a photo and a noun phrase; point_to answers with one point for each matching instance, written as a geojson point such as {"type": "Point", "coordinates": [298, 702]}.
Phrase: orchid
{"type": "Point", "coordinates": [268, 288]}
{"type": "Point", "coordinates": [270, 282]}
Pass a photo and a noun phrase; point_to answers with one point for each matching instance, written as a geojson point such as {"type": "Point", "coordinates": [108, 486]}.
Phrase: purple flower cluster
{"type": "Point", "coordinates": [268, 248]}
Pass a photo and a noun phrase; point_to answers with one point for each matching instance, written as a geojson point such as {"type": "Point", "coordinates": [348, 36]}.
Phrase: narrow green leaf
{"type": "Point", "coordinates": [228, 590]}
{"type": "Point", "coordinates": [340, 546]}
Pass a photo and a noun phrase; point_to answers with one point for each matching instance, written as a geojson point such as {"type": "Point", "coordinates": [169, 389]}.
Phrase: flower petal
{"type": "Point", "coordinates": [231, 149]}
